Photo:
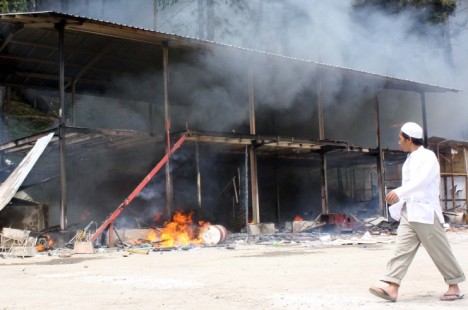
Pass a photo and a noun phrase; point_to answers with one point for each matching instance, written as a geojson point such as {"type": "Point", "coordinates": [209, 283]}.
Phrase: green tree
{"type": "Point", "coordinates": [434, 11]}
{"type": "Point", "coordinates": [164, 3]}
{"type": "Point", "coordinates": [208, 20]}
{"type": "Point", "coordinates": [12, 6]}
{"type": "Point", "coordinates": [430, 18]}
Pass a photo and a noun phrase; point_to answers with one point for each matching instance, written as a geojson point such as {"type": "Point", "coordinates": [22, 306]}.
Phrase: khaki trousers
{"type": "Point", "coordinates": [433, 238]}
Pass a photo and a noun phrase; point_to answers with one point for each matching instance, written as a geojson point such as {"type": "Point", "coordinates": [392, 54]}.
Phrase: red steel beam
{"type": "Point", "coordinates": [137, 190]}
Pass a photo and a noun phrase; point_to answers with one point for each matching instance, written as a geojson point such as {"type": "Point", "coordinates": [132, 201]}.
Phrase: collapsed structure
{"type": "Point", "coordinates": [267, 137]}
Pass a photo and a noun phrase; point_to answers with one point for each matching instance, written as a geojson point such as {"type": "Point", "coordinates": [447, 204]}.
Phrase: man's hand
{"type": "Point", "coordinates": [392, 197]}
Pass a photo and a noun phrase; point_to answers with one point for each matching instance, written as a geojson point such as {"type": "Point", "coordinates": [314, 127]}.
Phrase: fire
{"type": "Point", "coordinates": [152, 235]}
{"type": "Point", "coordinates": [298, 218]}
{"type": "Point", "coordinates": [181, 231]}
{"type": "Point", "coordinates": [44, 243]}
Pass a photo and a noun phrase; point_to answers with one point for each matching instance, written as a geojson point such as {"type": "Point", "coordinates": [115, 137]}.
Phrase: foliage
{"type": "Point", "coordinates": [23, 120]}
{"type": "Point", "coordinates": [12, 6]}
{"type": "Point", "coordinates": [236, 4]}
{"type": "Point", "coordinates": [164, 3]}
{"type": "Point", "coordinates": [436, 11]}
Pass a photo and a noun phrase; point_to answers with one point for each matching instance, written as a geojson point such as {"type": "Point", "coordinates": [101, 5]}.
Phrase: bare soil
{"type": "Point", "coordinates": [238, 275]}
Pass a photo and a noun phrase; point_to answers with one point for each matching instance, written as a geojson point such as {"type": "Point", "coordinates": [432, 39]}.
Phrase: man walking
{"type": "Point", "coordinates": [416, 205]}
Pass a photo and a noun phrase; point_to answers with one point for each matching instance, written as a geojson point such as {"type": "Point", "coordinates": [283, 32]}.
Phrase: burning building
{"type": "Point", "coordinates": [262, 137]}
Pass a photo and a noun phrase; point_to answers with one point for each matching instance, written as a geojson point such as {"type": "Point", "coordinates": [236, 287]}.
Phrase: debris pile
{"type": "Point", "coordinates": [183, 234]}
{"type": "Point", "coordinates": [380, 225]}
{"type": "Point", "coordinates": [25, 243]}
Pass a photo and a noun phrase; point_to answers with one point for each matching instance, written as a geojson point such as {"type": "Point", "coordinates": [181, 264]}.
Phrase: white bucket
{"type": "Point", "coordinates": [213, 235]}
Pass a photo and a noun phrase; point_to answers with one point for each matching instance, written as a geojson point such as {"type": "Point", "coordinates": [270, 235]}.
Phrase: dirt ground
{"type": "Point", "coordinates": [238, 275]}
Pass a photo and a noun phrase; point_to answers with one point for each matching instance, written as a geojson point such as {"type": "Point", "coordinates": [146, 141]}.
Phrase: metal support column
{"type": "Point", "coordinates": [167, 121]}
{"type": "Point", "coordinates": [380, 162]}
{"type": "Point", "coordinates": [197, 160]}
{"type": "Point", "coordinates": [2, 118]}
{"type": "Point", "coordinates": [321, 123]}
{"type": "Point", "coordinates": [246, 185]}
{"type": "Point", "coordinates": [323, 172]}
{"type": "Point", "coordinates": [466, 178]}
{"type": "Point", "coordinates": [323, 157]}
{"type": "Point", "coordinates": [278, 197]}
{"type": "Point", "coordinates": [73, 104]}
{"type": "Point", "coordinates": [424, 116]}
{"type": "Point", "coordinates": [63, 176]}
{"type": "Point", "coordinates": [253, 153]}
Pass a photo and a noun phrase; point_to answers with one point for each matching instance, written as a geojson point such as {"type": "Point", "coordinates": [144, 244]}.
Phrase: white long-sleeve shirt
{"type": "Point", "coordinates": [420, 187]}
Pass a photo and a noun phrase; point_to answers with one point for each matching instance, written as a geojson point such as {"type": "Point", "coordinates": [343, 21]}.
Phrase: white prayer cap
{"type": "Point", "coordinates": [413, 130]}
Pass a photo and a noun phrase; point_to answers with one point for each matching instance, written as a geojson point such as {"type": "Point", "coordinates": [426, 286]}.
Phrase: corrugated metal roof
{"type": "Point", "coordinates": [39, 57]}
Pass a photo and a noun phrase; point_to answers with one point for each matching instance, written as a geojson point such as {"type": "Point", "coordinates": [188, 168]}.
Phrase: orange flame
{"type": "Point", "coordinates": [45, 243]}
{"type": "Point", "coordinates": [298, 218]}
{"type": "Point", "coordinates": [152, 235]}
{"type": "Point", "coordinates": [181, 231]}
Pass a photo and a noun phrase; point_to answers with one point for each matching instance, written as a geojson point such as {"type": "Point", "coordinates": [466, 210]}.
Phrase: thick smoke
{"type": "Point", "coordinates": [333, 32]}
{"type": "Point", "coordinates": [330, 32]}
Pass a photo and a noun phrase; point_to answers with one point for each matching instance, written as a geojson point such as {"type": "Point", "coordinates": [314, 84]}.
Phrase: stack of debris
{"type": "Point", "coordinates": [381, 225]}
{"type": "Point", "coordinates": [17, 242]}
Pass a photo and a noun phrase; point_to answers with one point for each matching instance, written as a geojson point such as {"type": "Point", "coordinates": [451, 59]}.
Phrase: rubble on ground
{"type": "Point", "coordinates": [314, 234]}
